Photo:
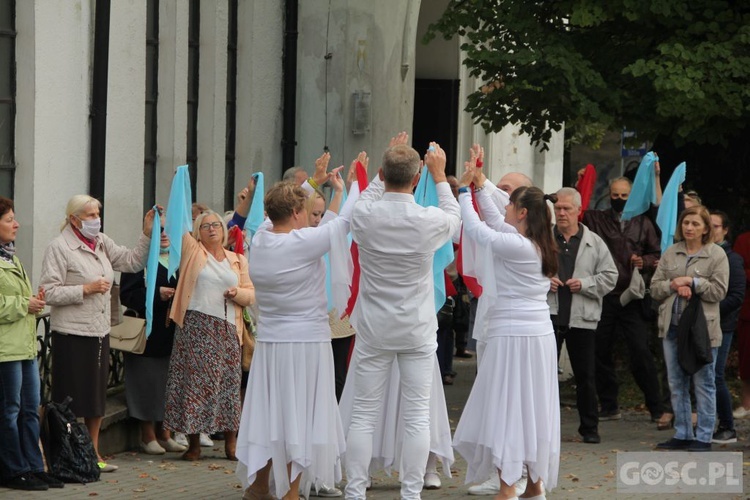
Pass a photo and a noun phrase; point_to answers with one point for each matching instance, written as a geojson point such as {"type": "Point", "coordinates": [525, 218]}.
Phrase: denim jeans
{"type": "Point", "coordinates": [723, 398]}
{"type": "Point", "coordinates": [373, 369]}
{"type": "Point", "coordinates": [19, 427]}
{"type": "Point", "coordinates": [679, 385]}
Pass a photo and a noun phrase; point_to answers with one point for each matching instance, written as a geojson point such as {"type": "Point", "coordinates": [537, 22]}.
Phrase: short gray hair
{"type": "Point", "coordinates": [400, 165]}
{"type": "Point", "coordinates": [569, 192]}
{"type": "Point", "coordinates": [291, 172]}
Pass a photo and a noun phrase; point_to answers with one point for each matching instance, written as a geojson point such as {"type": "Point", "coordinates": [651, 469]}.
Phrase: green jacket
{"type": "Point", "coordinates": [17, 325]}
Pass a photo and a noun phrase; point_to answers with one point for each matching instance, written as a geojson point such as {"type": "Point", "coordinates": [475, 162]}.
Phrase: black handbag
{"type": "Point", "coordinates": [67, 445]}
{"type": "Point", "coordinates": [693, 342]}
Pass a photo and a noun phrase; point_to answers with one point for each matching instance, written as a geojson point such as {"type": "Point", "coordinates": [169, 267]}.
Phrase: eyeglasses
{"type": "Point", "coordinates": [209, 225]}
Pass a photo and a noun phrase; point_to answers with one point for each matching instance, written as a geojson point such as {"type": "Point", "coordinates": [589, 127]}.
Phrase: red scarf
{"type": "Point", "coordinates": [362, 181]}
{"type": "Point", "coordinates": [89, 243]}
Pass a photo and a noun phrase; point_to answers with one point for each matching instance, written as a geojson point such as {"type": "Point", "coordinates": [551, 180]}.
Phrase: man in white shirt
{"type": "Point", "coordinates": [394, 314]}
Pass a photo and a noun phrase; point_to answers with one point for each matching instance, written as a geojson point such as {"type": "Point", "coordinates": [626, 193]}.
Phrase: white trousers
{"type": "Point", "coordinates": [373, 369]}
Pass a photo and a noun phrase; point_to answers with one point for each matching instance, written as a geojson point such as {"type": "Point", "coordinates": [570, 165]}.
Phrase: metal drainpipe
{"type": "Point", "coordinates": [288, 141]}
{"type": "Point", "coordinates": [99, 101]}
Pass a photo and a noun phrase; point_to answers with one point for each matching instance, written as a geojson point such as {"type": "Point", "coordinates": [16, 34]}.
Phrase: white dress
{"type": "Point", "coordinates": [512, 416]}
{"type": "Point", "coordinates": [388, 436]}
{"type": "Point", "coordinates": [290, 413]}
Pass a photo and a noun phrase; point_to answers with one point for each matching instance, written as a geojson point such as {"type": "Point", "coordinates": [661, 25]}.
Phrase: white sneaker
{"type": "Point", "coordinates": [741, 412]}
{"type": "Point", "coordinates": [487, 488]}
{"type": "Point", "coordinates": [181, 438]}
{"type": "Point", "coordinates": [152, 448]}
{"type": "Point", "coordinates": [205, 440]}
{"type": "Point", "coordinates": [326, 492]}
{"type": "Point", "coordinates": [432, 481]}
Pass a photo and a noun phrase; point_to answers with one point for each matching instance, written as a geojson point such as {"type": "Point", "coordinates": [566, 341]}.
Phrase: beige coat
{"type": "Point", "coordinates": [712, 270]}
{"type": "Point", "coordinates": [69, 264]}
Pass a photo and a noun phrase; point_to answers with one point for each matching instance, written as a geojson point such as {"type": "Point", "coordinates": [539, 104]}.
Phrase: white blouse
{"type": "Point", "coordinates": [208, 295]}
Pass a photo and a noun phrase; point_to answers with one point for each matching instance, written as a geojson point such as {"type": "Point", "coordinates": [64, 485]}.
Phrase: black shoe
{"type": "Point", "coordinates": [52, 482]}
{"type": "Point", "coordinates": [463, 354]}
{"type": "Point", "coordinates": [27, 482]}
{"type": "Point", "coordinates": [605, 415]}
{"type": "Point", "coordinates": [447, 380]}
{"type": "Point", "coordinates": [592, 438]}
{"type": "Point", "coordinates": [655, 417]}
{"type": "Point", "coordinates": [724, 436]}
{"type": "Point", "coordinates": [699, 446]}
{"type": "Point", "coordinates": [675, 444]}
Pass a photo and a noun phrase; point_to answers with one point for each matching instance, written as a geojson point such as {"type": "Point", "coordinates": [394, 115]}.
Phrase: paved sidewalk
{"type": "Point", "coordinates": [586, 471]}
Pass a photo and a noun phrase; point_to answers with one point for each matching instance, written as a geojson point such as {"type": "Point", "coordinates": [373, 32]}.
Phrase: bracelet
{"type": "Point", "coordinates": [312, 183]}
{"type": "Point", "coordinates": [477, 189]}
{"type": "Point", "coordinates": [464, 189]}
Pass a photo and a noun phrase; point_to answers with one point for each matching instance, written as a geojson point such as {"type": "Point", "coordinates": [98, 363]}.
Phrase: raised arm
{"type": "Point", "coordinates": [490, 211]}
{"type": "Point", "coordinates": [511, 245]}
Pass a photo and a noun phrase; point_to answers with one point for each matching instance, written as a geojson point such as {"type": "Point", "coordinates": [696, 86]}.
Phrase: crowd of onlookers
{"type": "Point", "coordinates": [591, 281]}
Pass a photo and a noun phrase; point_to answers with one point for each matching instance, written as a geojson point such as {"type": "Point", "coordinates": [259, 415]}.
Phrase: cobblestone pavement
{"type": "Point", "coordinates": [586, 471]}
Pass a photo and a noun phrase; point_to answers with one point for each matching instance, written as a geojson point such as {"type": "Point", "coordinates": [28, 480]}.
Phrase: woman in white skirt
{"type": "Point", "coordinates": [290, 421]}
{"type": "Point", "coordinates": [512, 417]}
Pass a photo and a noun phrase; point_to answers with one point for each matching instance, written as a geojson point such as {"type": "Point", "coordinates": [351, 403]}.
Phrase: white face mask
{"type": "Point", "coordinates": [90, 228]}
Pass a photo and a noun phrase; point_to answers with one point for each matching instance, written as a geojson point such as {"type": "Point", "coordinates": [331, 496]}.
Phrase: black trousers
{"type": "Point", "coordinates": [629, 322]}
{"type": "Point", "coordinates": [582, 352]}
{"type": "Point", "coordinates": [445, 343]}
{"type": "Point", "coordinates": [341, 347]}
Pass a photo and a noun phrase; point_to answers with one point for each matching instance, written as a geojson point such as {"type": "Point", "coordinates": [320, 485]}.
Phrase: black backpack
{"type": "Point", "coordinates": [67, 445]}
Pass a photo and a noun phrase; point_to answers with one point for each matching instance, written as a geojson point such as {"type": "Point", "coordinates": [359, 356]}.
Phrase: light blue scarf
{"type": "Point", "coordinates": [643, 194]}
{"type": "Point", "coordinates": [666, 219]}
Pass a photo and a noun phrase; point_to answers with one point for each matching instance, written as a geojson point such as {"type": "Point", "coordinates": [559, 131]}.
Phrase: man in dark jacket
{"type": "Point", "coordinates": [729, 310]}
{"type": "Point", "coordinates": [633, 244]}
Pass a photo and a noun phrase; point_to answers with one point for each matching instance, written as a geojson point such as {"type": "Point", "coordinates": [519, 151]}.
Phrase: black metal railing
{"type": "Point", "coordinates": [44, 358]}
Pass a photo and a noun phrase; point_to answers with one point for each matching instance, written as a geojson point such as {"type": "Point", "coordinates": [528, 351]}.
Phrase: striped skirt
{"type": "Point", "coordinates": [203, 385]}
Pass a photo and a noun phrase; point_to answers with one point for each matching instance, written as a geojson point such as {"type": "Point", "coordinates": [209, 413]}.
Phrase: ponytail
{"type": "Point", "coordinates": [538, 224]}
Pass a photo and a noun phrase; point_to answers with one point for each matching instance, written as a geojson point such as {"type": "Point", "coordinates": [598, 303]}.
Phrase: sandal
{"type": "Point", "coordinates": [250, 494]}
{"type": "Point", "coordinates": [666, 422]}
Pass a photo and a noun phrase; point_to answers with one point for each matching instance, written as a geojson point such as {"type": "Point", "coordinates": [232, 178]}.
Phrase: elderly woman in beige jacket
{"type": "Point", "coordinates": [77, 274]}
{"type": "Point", "coordinates": [695, 264]}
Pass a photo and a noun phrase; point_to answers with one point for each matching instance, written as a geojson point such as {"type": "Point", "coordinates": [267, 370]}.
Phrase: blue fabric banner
{"type": "Point", "coordinates": [152, 269]}
{"type": "Point", "coordinates": [426, 195]}
{"type": "Point", "coordinates": [179, 216]}
{"type": "Point", "coordinates": [643, 194]}
{"type": "Point", "coordinates": [666, 219]}
{"type": "Point", "coordinates": [257, 208]}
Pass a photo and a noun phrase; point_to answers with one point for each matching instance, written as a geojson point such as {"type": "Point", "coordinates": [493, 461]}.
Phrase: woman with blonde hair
{"type": "Point", "coordinates": [203, 385]}
{"type": "Point", "coordinates": [77, 274]}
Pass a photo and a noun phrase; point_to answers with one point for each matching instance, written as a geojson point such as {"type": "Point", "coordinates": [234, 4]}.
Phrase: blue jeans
{"type": "Point", "coordinates": [723, 398]}
{"type": "Point", "coordinates": [19, 427]}
{"type": "Point", "coordinates": [679, 386]}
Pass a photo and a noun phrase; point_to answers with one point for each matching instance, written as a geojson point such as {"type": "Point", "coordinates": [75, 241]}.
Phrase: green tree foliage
{"type": "Point", "coordinates": [675, 68]}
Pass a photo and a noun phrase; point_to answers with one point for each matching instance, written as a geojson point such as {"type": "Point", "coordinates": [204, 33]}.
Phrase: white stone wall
{"type": "Point", "coordinates": [53, 54]}
{"type": "Point", "coordinates": [371, 46]}
{"type": "Point", "coordinates": [259, 91]}
{"type": "Point", "coordinates": [126, 109]}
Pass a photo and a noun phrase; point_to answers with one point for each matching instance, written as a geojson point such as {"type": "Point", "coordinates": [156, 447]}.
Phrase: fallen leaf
{"type": "Point", "coordinates": [139, 490]}
{"type": "Point", "coordinates": [93, 494]}
{"type": "Point", "coordinates": [143, 476]}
